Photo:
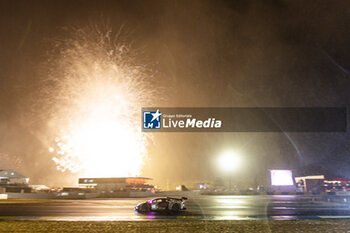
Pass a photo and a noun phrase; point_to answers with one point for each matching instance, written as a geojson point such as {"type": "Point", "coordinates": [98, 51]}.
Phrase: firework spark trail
{"type": "Point", "coordinates": [94, 94]}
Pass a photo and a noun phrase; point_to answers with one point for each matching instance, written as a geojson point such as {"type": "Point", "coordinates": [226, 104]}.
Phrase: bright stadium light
{"type": "Point", "coordinates": [229, 161]}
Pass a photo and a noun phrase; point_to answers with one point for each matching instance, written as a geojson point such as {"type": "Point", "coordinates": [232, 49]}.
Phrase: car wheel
{"type": "Point", "coordinates": [145, 207]}
{"type": "Point", "coordinates": [175, 207]}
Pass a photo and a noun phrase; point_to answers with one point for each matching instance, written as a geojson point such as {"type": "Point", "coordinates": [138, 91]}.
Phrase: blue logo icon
{"type": "Point", "coordinates": [152, 120]}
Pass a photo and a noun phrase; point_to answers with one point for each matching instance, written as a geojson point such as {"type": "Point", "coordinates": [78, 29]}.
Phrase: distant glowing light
{"type": "Point", "coordinates": [281, 177]}
{"type": "Point", "coordinates": [229, 161]}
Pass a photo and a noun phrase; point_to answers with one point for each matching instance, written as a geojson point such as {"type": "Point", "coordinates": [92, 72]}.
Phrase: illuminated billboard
{"type": "Point", "coordinates": [281, 177]}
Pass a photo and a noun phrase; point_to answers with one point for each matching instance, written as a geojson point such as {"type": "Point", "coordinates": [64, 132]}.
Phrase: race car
{"type": "Point", "coordinates": [162, 204]}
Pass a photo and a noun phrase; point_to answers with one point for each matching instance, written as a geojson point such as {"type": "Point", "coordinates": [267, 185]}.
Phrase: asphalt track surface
{"type": "Point", "coordinates": [279, 207]}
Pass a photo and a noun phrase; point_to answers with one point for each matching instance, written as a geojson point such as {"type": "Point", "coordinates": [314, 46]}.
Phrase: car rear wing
{"type": "Point", "coordinates": [180, 199]}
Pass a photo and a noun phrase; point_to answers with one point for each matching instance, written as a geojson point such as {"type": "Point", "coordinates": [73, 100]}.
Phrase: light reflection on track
{"type": "Point", "coordinates": [287, 207]}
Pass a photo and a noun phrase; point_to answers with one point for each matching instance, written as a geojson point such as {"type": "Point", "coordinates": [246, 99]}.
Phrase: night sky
{"type": "Point", "coordinates": [203, 54]}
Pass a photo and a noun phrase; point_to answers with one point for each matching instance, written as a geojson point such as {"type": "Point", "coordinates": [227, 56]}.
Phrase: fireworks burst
{"type": "Point", "coordinates": [94, 94]}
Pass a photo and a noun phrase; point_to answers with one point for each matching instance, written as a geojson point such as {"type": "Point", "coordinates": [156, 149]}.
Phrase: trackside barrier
{"type": "Point", "coordinates": [277, 193]}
